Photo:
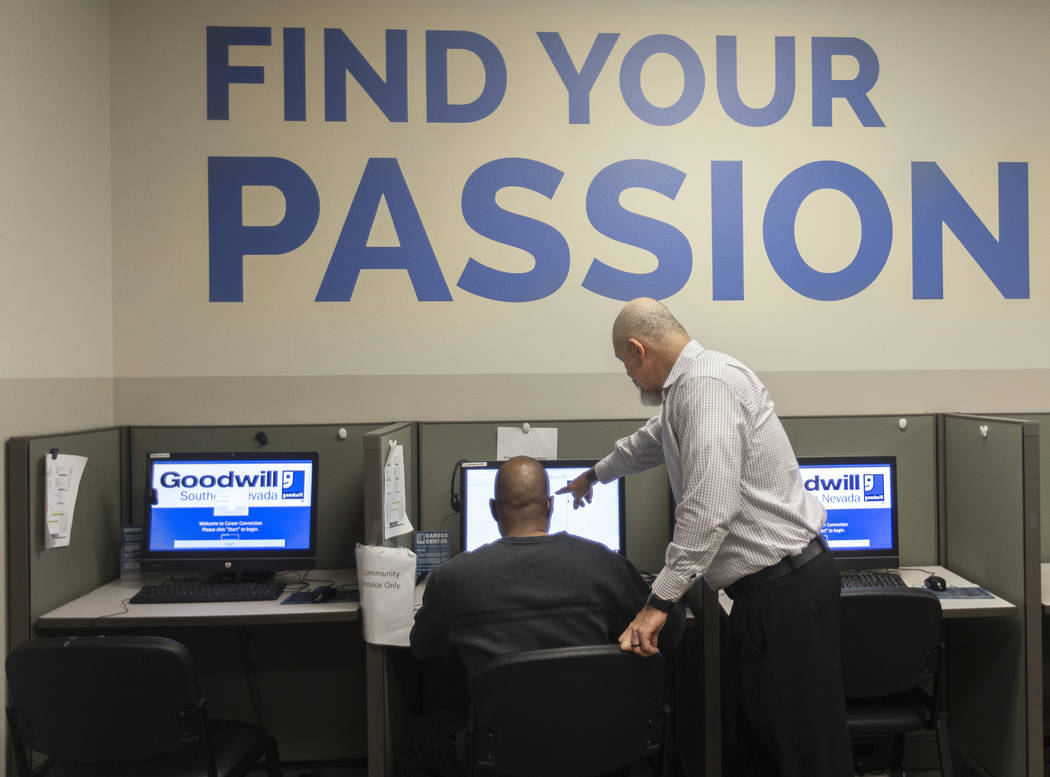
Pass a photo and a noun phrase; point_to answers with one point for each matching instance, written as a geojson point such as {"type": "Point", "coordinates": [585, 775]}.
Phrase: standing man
{"type": "Point", "coordinates": [744, 521]}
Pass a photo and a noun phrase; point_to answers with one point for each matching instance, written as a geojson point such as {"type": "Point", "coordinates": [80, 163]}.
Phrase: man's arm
{"type": "Point", "coordinates": [640, 451]}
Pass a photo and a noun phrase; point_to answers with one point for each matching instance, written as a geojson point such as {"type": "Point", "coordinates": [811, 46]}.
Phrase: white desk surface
{"type": "Point", "coordinates": [107, 608]}
{"type": "Point", "coordinates": [951, 608]}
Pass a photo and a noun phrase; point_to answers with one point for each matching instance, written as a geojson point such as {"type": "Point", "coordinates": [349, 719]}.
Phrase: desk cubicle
{"type": "Point", "coordinates": [989, 483]}
{"type": "Point", "coordinates": [301, 667]}
{"type": "Point", "coordinates": [312, 678]}
{"type": "Point", "coordinates": [952, 480]}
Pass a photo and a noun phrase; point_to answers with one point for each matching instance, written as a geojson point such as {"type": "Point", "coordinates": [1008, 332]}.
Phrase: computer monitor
{"type": "Point", "coordinates": [602, 520]}
{"type": "Point", "coordinates": [860, 496]}
{"type": "Point", "coordinates": [237, 514]}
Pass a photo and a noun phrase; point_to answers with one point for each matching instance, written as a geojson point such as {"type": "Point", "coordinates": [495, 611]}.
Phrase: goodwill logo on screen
{"type": "Point", "coordinates": [936, 203]}
{"type": "Point", "coordinates": [848, 489]}
{"type": "Point", "coordinates": [262, 485]}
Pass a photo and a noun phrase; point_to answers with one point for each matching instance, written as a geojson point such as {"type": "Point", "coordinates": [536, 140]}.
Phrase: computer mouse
{"type": "Point", "coordinates": [323, 593]}
{"type": "Point", "coordinates": [935, 583]}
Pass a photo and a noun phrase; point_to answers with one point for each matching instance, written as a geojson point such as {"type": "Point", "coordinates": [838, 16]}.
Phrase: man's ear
{"type": "Point", "coordinates": [637, 346]}
{"type": "Point", "coordinates": [492, 509]}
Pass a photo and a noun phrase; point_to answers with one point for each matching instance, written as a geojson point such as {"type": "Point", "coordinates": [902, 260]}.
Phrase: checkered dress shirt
{"type": "Point", "coordinates": [740, 504]}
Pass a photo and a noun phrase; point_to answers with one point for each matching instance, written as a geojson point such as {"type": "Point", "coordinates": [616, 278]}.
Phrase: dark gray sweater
{"type": "Point", "coordinates": [529, 593]}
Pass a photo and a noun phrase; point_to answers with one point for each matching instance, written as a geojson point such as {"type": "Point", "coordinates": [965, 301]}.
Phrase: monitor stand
{"type": "Point", "coordinates": [240, 576]}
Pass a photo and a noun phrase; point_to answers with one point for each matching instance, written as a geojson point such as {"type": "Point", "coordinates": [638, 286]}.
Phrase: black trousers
{"type": "Point", "coordinates": [791, 719]}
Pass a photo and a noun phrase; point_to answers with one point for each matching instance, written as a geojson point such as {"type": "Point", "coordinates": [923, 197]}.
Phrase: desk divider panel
{"type": "Point", "coordinates": [39, 579]}
{"type": "Point", "coordinates": [389, 671]}
{"type": "Point", "coordinates": [991, 531]}
{"type": "Point", "coordinates": [1043, 419]}
{"type": "Point", "coordinates": [340, 498]}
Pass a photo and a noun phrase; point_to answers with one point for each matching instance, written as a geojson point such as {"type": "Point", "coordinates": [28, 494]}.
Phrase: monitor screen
{"type": "Point", "coordinates": [602, 520]}
{"type": "Point", "coordinates": [860, 496]}
{"type": "Point", "coordinates": [232, 512]}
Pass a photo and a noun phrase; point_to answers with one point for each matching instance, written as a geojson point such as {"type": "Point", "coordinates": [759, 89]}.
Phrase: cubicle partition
{"type": "Point", "coordinates": [389, 674]}
{"type": "Point", "coordinates": [1043, 419]}
{"type": "Point", "coordinates": [990, 480]}
{"type": "Point", "coordinates": [306, 682]}
{"type": "Point", "coordinates": [39, 580]}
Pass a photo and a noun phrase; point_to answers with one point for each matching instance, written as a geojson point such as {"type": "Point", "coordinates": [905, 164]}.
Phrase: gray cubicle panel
{"type": "Point", "coordinates": [340, 501]}
{"type": "Point", "coordinates": [377, 446]}
{"type": "Point", "coordinates": [441, 445]}
{"type": "Point", "coordinates": [1043, 419]}
{"type": "Point", "coordinates": [914, 443]}
{"type": "Point", "coordinates": [41, 579]}
{"type": "Point", "coordinates": [991, 532]}
{"type": "Point", "coordinates": [388, 679]}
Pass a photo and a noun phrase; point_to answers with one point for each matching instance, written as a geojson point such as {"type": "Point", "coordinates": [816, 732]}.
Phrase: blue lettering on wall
{"type": "Point", "coordinates": [229, 240]}
{"type": "Point", "coordinates": [439, 43]}
{"type": "Point", "coordinates": [778, 230]}
{"type": "Point", "coordinates": [381, 179]}
{"type": "Point", "coordinates": [220, 73]}
{"type": "Point", "coordinates": [936, 202]}
{"type": "Point", "coordinates": [546, 244]}
{"type": "Point", "coordinates": [579, 83]}
{"type": "Point", "coordinates": [854, 90]}
{"type": "Point", "coordinates": [631, 80]}
{"type": "Point", "coordinates": [342, 57]}
{"type": "Point", "coordinates": [729, 87]}
{"type": "Point", "coordinates": [727, 230]}
{"type": "Point", "coordinates": [671, 248]}
{"type": "Point", "coordinates": [294, 74]}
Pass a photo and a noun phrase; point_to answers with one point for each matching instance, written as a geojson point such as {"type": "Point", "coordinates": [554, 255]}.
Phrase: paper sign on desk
{"type": "Point", "coordinates": [62, 473]}
{"type": "Point", "coordinates": [395, 518]}
{"type": "Point", "coordinates": [526, 441]}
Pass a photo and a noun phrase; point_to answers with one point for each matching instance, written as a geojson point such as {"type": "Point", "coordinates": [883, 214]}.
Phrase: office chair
{"type": "Point", "coordinates": [121, 706]}
{"type": "Point", "coordinates": [567, 712]}
{"type": "Point", "coordinates": [892, 650]}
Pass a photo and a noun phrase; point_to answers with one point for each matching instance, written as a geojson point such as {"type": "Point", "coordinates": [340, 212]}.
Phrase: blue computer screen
{"type": "Point", "coordinates": [860, 499]}
{"type": "Point", "coordinates": [231, 503]}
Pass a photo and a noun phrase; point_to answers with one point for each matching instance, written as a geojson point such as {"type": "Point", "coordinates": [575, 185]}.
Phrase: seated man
{"type": "Point", "coordinates": [527, 591]}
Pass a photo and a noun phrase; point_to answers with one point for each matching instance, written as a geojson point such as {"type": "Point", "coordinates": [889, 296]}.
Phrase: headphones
{"type": "Point", "coordinates": [454, 499]}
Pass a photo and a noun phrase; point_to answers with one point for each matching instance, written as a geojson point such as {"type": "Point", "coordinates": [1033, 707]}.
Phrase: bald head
{"type": "Point", "coordinates": [521, 503]}
{"type": "Point", "coordinates": [649, 321]}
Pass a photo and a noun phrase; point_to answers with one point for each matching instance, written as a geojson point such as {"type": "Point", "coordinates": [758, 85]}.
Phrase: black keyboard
{"type": "Point", "coordinates": [872, 580]}
{"type": "Point", "coordinates": [183, 593]}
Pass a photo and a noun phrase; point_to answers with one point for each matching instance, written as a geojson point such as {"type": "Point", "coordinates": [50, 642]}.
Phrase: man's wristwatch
{"type": "Point", "coordinates": [663, 605]}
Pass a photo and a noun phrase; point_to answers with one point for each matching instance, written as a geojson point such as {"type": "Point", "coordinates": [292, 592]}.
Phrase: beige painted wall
{"type": "Point", "coordinates": [56, 302]}
{"type": "Point", "coordinates": [385, 354]}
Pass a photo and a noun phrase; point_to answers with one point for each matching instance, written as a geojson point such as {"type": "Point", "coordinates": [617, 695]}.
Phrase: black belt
{"type": "Point", "coordinates": [785, 566]}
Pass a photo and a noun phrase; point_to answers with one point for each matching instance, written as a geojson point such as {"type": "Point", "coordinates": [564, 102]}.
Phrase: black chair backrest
{"type": "Point", "coordinates": [890, 640]}
{"type": "Point", "coordinates": [104, 699]}
{"type": "Point", "coordinates": [567, 712]}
